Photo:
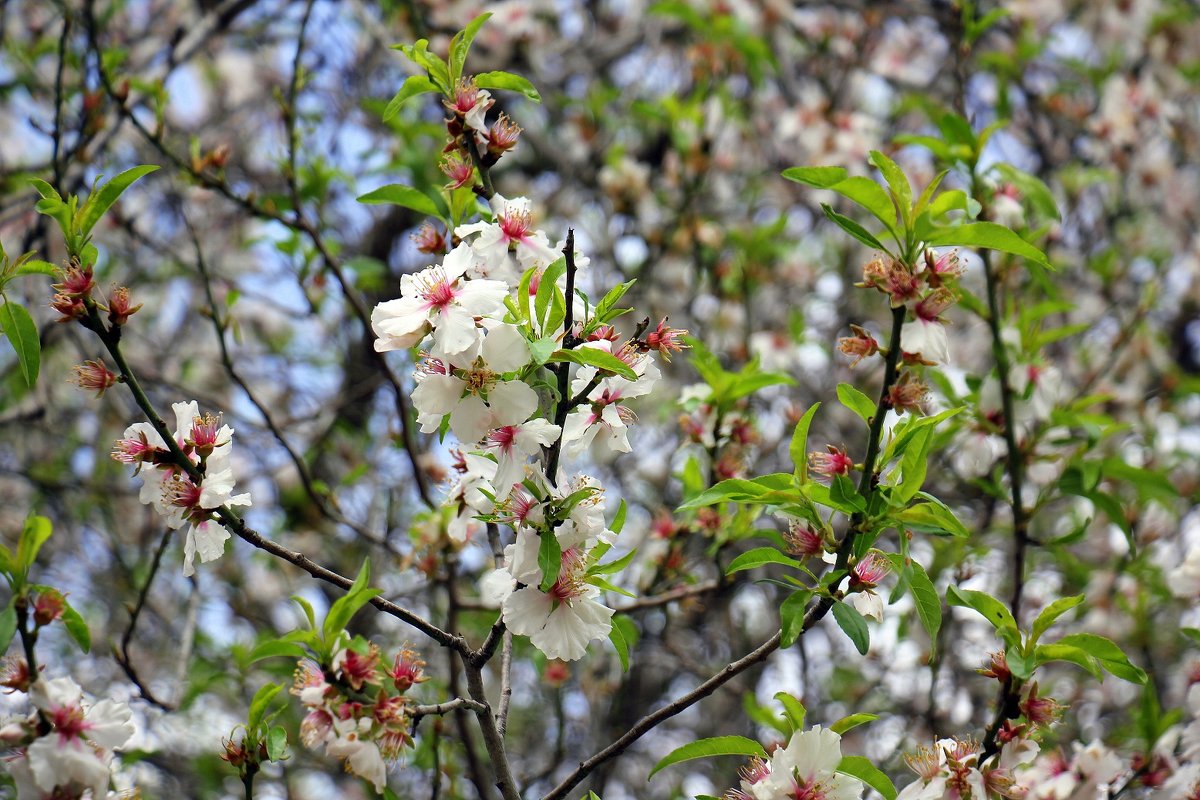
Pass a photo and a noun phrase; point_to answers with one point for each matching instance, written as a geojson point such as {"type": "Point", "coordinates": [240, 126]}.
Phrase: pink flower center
{"type": "Point", "coordinates": [570, 583]}
{"type": "Point", "coordinates": [515, 225]}
{"type": "Point", "coordinates": [180, 491]}
{"type": "Point", "coordinates": [69, 722]}
{"type": "Point", "coordinates": [504, 437]}
{"type": "Point", "coordinates": [806, 790]}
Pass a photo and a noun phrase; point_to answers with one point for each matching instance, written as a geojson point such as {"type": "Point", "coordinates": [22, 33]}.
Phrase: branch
{"type": "Point", "coordinates": [121, 655]}
{"type": "Point", "coordinates": [111, 339]}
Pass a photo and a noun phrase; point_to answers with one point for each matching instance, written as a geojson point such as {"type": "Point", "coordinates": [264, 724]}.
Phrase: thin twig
{"type": "Point", "coordinates": [121, 655]}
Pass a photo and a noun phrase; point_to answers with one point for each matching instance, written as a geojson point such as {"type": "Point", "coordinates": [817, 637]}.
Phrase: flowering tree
{"type": "Point", "coordinates": [790, 388]}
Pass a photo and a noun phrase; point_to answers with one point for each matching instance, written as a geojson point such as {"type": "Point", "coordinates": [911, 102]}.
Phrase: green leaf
{"type": "Point", "coordinates": [853, 721]}
{"type": "Point", "coordinates": [1031, 188]}
{"type": "Point", "coordinates": [758, 557]}
{"type": "Point", "coordinates": [36, 267]}
{"type": "Point", "coordinates": [508, 81]}
{"type": "Point", "coordinates": [415, 85]}
{"type": "Point", "coordinates": [1052, 612]}
{"type": "Point", "coordinates": [613, 567]}
{"type": "Point", "coordinates": [793, 709]}
{"type": "Point", "coordinates": [622, 634]}
{"type": "Point", "coordinates": [33, 535]}
{"type": "Point", "coordinates": [798, 449]}
{"type": "Point", "coordinates": [791, 616]}
{"type": "Point", "coordinates": [856, 401]}
{"type": "Point", "coordinates": [549, 559]}
{"type": "Point", "coordinates": [258, 706]}
{"type": "Point", "coordinates": [594, 357]}
{"type": "Point", "coordinates": [547, 291]}
{"type": "Point", "coordinates": [618, 523]}
{"type": "Point", "coordinates": [277, 743]}
{"type": "Point", "coordinates": [22, 334]}
{"type": "Point", "coordinates": [932, 517]}
{"type": "Point", "coordinates": [400, 195]}
{"type": "Point", "coordinates": [843, 492]}
{"type": "Point", "coordinates": [307, 608]}
{"type": "Point", "coordinates": [346, 606]}
{"type": "Point", "coordinates": [8, 626]}
{"type": "Point", "coordinates": [871, 196]}
{"type": "Point", "coordinates": [706, 748]}
{"type": "Point", "coordinates": [913, 466]}
{"type": "Point", "coordinates": [853, 228]}
{"type": "Point", "coordinates": [1109, 656]}
{"type": "Point", "coordinates": [273, 648]}
{"type": "Point", "coordinates": [77, 628]}
{"type": "Point", "coordinates": [853, 625]}
{"type": "Point", "coordinates": [868, 773]}
{"type": "Point", "coordinates": [992, 610]}
{"type": "Point", "coordinates": [927, 600]}
{"type": "Point", "coordinates": [1045, 653]}
{"type": "Point", "coordinates": [103, 198]}
{"type": "Point", "coordinates": [988, 235]}
{"type": "Point", "coordinates": [460, 45]}
{"type": "Point", "coordinates": [817, 177]}
{"type": "Point", "coordinates": [897, 181]}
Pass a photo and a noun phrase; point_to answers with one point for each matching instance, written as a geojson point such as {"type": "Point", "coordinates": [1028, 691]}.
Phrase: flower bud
{"type": "Point", "coordinates": [94, 376]}
{"type": "Point", "coordinates": [120, 308]}
{"type": "Point", "coordinates": [48, 607]}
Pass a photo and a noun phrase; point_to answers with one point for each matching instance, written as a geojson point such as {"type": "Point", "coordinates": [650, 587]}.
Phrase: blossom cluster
{"type": "Point", "coordinates": [358, 709]}
{"type": "Point", "coordinates": [805, 768]}
{"type": "Point", "coordinates": [175, 493]}
{"type": "Point", "coordinates": [474, 379]}
{"type": "Point", "coordinates": [64, 747]}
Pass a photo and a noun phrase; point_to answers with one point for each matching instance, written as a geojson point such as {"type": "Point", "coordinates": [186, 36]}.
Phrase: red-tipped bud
{"type": "Point", "coordinates": [834, 461]}
{"type": "Point", "coordinates": [458, 169]}
{"type": "Point", "coordinates": [907, 394]}
{"type": "Point", "coordinates": [503, 136]}
{"type": "Point", "coordinates": [120, 307]}
{"type": "Point", "coordinates": [429, 239]}
{"type": "Point", "coordinates": [48, 607]}
{"type": "Point", "coordinates": [70, 308]}
{"type": "Point", "coordinates": [666, 340]}
{"type": "Point", "coordinates": [76, 282]}
{"type": "Point", "coordinates": [859, 346]}
{"type": "Point", "coordinates": [94, 376]}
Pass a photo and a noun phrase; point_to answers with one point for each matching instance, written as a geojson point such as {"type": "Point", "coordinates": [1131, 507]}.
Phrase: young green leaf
{"type": "Point", "coordinates": [8, 626]}
{"type": "Point", "coordinates": [18, 326]}
{"type": "Point", "coordinates": [706, 748]}
{"type": "Point", "coordinates": [593, 357]}
{"type": "Point", "coordinates": [77, 628]}
{"type": "Point", "coordinates": [798, 448]}
{"type": "Point", "coordinates": [33, 535]}
{"type": "Point", "coordinates": [859, 767]}
{"type": "Point", "coordinates": [793, 709]}
{"type": "Point", "coordinates": [853, 228]}
{"type": "Point", "coordinates": [791, 616]}
{"type": "Point", "coordinates": [460, 45]}
{"type": "Point", "coordinates": [856, 401]}
{"type": "Point", "coordinates": [1051, 613]}
{"type": "Point", "coordinates": [549, 559]}
{"type": "Point", "coordinates": [853, 625]}
{"type": "Point", "coordinates": [508, 81]}
{"type": "Point", "coordinates": [415, 85]}
{"type": "Point", "coordinates": [1107, 654]}
{"type": "Point", "coordinates": [400, 195]}
{"type": "Point", "coordinates": [853, 721]}
{"type": "Point", "coordinates": [758, 557]}
{"type": "Point", "coordinates": [258, 706]}
{"type": "Point", "coordinates": [103, 198]}
{"type": "Point", "coordinates": [988, 235]}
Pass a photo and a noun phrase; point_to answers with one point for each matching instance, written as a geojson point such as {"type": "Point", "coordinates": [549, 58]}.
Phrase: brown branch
{"type": "Point", "coordinates": [121, 654]}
